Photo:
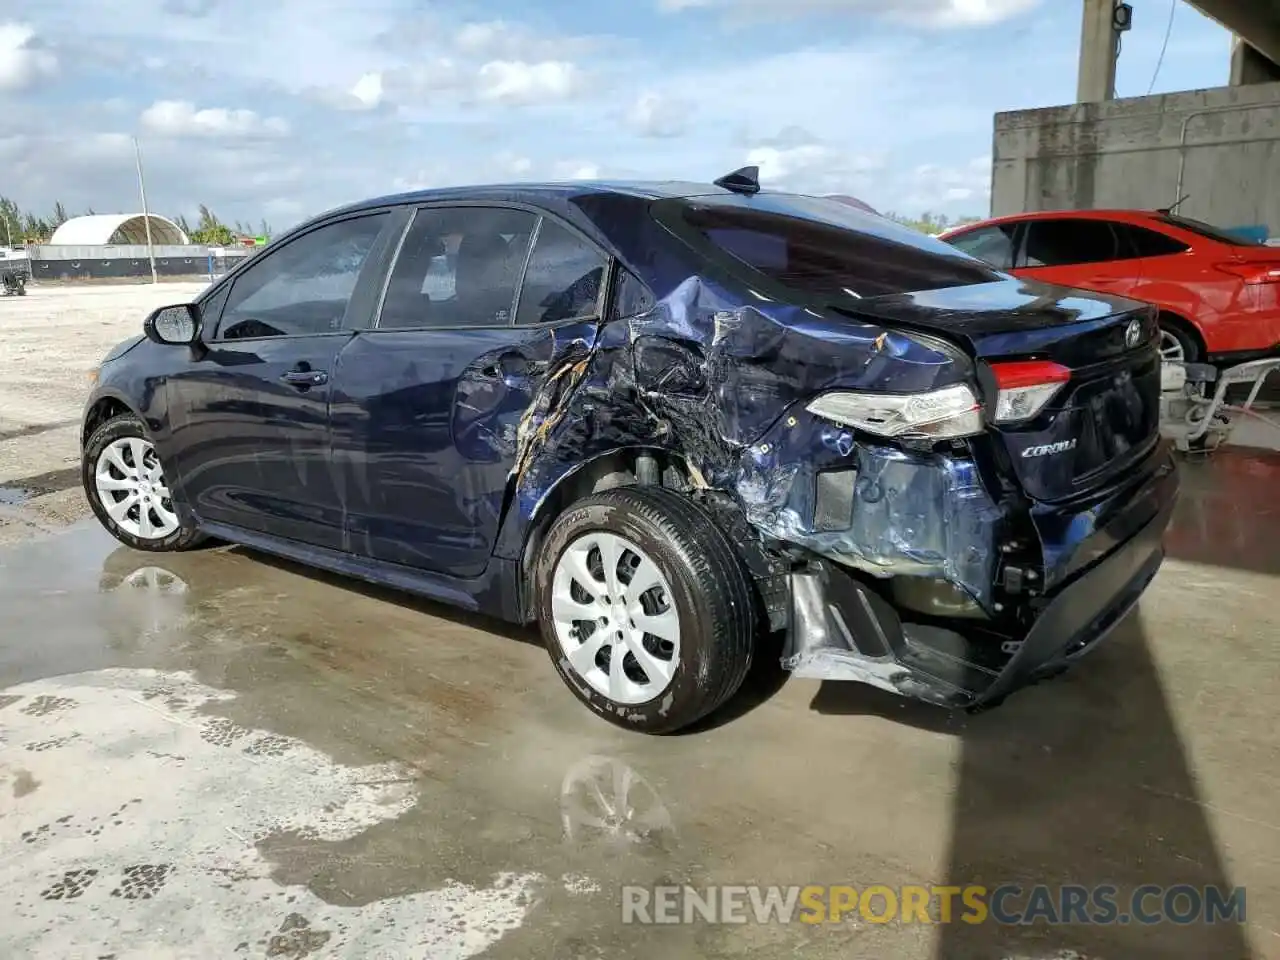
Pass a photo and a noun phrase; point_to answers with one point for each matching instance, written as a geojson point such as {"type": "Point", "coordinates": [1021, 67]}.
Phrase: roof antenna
{"type": "Point", "coordinates": [1167, 211]}
{"type": "Point", "coordinates": [743, 180]}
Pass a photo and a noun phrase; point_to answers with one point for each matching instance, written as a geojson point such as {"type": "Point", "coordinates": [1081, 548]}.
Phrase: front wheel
{"type": "Point", "coordinates": [127, 490]}
{"type": "Point", "coordinates": [645, 608]}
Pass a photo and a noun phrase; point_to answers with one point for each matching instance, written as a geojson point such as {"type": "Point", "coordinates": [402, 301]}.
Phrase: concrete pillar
{"type": "Point", "coordinates": [1099, 46]}
{"type": "Point", "coordinates": [1250, 65]}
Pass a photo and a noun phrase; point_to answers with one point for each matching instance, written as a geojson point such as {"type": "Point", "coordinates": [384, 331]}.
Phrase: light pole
{"type": "Point", "coordinates": [146, 217]}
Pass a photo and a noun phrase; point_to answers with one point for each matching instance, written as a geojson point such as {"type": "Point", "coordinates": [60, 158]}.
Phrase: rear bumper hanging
{"type": "Point", "coordinates": [842, 629]}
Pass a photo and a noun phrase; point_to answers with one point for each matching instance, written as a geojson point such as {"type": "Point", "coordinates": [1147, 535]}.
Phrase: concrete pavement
{"type": "Point", "coordinates": [217, 754]}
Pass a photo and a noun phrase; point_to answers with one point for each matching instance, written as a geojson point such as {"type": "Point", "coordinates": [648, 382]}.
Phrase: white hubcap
{"type": "Point", "coordinates": [1171, 348]}
{"type": "Point", "coordinates": [615, 618]}
{"type": "Point", "coordinates": [132, 489]}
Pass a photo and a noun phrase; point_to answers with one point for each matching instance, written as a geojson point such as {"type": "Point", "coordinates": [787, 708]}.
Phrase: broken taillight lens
{"type": "Point", "coordinates": [936, 415]}
{"type": "Point", "coordinates": [1253, 273]}
{"type": "Point", "coordinates": [1025, 387]}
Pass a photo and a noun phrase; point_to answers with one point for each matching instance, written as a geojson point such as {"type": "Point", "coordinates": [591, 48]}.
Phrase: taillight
{"type": "Point", "coordinates": [1253, 273]}
{"type": "Point", "coordinates": [935, 415]}
{"type": "Point", "coordinates": [1025, 387]}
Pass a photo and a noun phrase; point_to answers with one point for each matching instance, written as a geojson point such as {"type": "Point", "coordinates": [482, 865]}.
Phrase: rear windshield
{"type": "Point", "coordinates": [1208, 230]}
{"type": "Point", "coordinates": [823, 248]}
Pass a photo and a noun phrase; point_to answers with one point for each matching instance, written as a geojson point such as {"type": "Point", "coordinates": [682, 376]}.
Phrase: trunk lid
{"type": "Point", "coordinates": [1101, 422]}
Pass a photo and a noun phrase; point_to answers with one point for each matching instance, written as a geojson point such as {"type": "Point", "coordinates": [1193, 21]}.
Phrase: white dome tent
{"type": "Point", "coordinates": [105, 229]}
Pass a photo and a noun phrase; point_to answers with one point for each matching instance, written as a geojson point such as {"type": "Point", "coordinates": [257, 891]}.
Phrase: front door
{"type": "Point", "coordinates": [249, 415]}
{"type": "Point", "coordinates": [428, 405]}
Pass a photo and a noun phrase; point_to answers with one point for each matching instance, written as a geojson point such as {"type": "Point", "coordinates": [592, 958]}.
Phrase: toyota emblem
{"type": "Point", "coordinates": [1133, 333]}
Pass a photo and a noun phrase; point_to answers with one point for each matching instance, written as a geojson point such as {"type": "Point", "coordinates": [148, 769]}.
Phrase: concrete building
{"type": "Point", "coordinates": [1219, 148]}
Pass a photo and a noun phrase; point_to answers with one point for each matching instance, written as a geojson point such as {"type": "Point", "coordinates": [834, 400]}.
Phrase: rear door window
{"type": "Point", "coordinates": [564, 277]}
{"type": "Point", "coordinates": [1148, 243]}
{"type": "Point", "coordinates": [818, 247]}
{"type": "Point", "coordinates": [458, 267]}
{"type": "Point", "coordinates": [994, 245]}
{"type": "Point", "coordinates": [1063, 242]}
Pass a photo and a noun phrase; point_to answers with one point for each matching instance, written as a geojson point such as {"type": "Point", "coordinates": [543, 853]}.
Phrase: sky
{"type": "Point", "coordinates": [280, 110]}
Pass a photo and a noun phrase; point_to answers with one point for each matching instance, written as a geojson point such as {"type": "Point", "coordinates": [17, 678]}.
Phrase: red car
{"type": "Point", "coordinates": [1218, 294]}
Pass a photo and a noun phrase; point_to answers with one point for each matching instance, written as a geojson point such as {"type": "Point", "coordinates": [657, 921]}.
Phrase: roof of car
{"type": "Point", "coordinates": [1112, 214]}
{"type": "Point", "coordinates": [642, 189]}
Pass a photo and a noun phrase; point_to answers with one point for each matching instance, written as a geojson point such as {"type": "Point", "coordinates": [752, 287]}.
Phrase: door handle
{"type": "Point", "coordinates": [514, 365]}
{"type": "Point", "coordinates": [305, 378]}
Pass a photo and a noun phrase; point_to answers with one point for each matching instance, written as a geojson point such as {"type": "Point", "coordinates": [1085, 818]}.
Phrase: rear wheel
{"type": "Point", "coordinates": [125, 484]}
{"type": "Point", "coordinates": [644, 608]}
{"type": "Point", "coordinates": [1177, 343]}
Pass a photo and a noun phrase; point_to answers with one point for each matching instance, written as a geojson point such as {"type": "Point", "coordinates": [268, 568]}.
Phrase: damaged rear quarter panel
{"type": "Point", "coordinates": [722, 384]}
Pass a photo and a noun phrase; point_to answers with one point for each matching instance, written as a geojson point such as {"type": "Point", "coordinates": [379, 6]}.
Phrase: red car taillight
{"type": "Point", "coordinates": [1025, 387]}
{"type": "Point", "coordinates": [1253, 273]}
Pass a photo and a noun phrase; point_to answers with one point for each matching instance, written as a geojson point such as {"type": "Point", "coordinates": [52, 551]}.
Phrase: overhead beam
{"type": "Point", "coordinates": [1257, 22]}
{"type": "Point", "coordinates": [1249, 65]}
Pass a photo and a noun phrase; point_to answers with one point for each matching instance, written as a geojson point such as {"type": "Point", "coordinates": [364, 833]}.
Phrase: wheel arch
{"type": "Point", "coordinates": [623, 467]}
{"type": "Point", "coordinates": [1177, 321]}
{"type": "Point", "coordinates": [105, 407]}
{"type": "Point", "coordinates": [613, 468]}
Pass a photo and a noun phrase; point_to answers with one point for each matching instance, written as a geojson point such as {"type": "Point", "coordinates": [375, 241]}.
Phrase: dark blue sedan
{"type": "Point", "coordinates": [665, 421]}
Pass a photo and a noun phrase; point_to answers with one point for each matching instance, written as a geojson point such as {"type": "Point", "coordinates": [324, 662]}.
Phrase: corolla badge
{"type": "Point", "coordinates": [1045, 449]}
{"type": "Point", "coordinates": [1133, 333]}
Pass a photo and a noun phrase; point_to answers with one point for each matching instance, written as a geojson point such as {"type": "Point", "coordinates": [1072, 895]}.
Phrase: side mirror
{"type": "Point", "coordinates": [175, 325]}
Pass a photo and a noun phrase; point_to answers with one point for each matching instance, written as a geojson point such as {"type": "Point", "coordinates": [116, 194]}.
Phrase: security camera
{"type": "Point", "coordinates": [1122, 17]}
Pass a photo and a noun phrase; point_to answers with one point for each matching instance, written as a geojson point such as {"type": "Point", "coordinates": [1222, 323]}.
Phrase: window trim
{"type": "Point", "coordinates": [377, 253]}
{"type": "Point", "coordinates": [541, 214]}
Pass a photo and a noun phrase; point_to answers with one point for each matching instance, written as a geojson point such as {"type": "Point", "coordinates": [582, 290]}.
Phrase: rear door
{"type": "Point", "coordinates": [249, 438]}
{"type": "Point", "coordinates": [486, 312]}
{"type": "Point", "coordinates": [1087, 253]}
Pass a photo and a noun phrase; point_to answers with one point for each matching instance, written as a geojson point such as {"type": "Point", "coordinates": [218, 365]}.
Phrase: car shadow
{"type": "Point", "coordinates": [400, 598]}
{"type": "Point", "coordinates": [1081, 780]}
{"type": "Point", "coordinates": [764, 679]}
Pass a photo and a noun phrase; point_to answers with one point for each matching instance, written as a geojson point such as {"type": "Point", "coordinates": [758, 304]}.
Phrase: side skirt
{"type": "Point", "coordinates": [496, 592]}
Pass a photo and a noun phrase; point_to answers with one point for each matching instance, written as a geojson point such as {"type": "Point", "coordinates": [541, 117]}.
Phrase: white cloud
{"type": "Point", "coordinates": [656, 115]}
{"type": "Point", "coordinates": [510, 164]}
{"type": "Point", "coordinates": [518, 82]}
{"type": "Point", "coordinates": [575, 170]}
{"type": "Point", "coordinates": [368, 90]}
{"type": "Point", "coordinates": [482, 38]}
{"type": "Point", "coordinates": [181, 118]}
{"type": "Point", "coordinates": [375, 97]}
{"type": "Point", "coordinates": [935, 185]}
{"type": "Point", "coordinates": [796, 160]}
{"type": "Point", "coordinates": [24, 59]}
{"type": "Point", "coordinates": [925, 13]}
{"type": "Point", "coordinates": [504, 40]}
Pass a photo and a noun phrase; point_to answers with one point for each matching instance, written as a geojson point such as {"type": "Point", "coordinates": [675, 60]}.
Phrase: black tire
{"type": "Point", "coordinates": [120, 427]}
{"type": "Point", "coordinates": [709, 588]}
{"type": "Point", "coordinates": [1190, 343]}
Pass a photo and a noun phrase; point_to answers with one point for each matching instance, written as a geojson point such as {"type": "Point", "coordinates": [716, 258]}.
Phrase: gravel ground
{"type": "Point", "coordinates": [50, 340]}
